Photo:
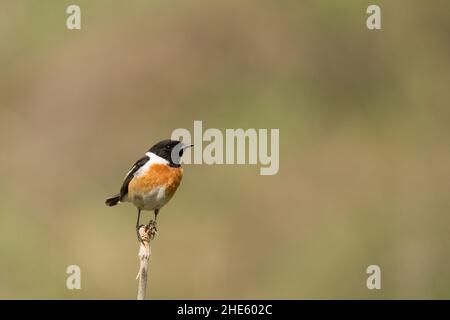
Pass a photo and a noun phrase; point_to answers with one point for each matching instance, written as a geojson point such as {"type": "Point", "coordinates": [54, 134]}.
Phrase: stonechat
{"type": "Point", "coordinates": [153, 179]}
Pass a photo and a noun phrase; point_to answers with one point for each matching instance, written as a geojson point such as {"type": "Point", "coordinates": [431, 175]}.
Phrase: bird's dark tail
{"type": "Point", "coordinates": [110, 202]}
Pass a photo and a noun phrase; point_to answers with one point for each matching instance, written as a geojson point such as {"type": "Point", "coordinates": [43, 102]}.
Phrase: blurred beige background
{"type": "Point", "coordinates": [364, 125]}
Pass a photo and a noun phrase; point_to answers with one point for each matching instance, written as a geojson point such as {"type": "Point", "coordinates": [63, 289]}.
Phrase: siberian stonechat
{"type": "Point", "coordinates": [153, 179]}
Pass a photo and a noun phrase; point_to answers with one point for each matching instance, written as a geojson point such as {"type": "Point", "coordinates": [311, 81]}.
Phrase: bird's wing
{"type": "Point", "coordinates": [130, 175]}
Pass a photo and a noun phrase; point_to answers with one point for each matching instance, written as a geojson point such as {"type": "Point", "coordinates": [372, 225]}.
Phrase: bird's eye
{"type": "Point", "coordinates": [168, 147]}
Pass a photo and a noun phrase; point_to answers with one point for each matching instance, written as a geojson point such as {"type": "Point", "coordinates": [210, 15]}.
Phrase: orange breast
{"type": "Point", "coordinates": [157, 175]}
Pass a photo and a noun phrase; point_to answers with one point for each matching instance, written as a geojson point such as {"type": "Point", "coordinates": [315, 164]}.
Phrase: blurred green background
{"type": "Point", "coordinates": [364, 164]}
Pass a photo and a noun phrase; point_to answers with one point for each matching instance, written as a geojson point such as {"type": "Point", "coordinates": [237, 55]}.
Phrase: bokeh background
{"type": "Point", "coordinates": [364, 164]}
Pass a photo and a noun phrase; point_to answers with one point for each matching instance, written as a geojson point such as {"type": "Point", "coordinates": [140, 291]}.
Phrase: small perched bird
{"type": "Point", "coordinates": [153, 179]}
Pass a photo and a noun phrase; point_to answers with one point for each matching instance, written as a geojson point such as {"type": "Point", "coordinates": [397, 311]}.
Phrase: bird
{"type": "Point", "coordinates": [152, 180]}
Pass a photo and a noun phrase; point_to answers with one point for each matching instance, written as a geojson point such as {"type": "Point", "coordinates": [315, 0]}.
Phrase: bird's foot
{"type": "Point", "coordinates": [151, 229]}
{"type": "Point", "coordinates": [145, 233]}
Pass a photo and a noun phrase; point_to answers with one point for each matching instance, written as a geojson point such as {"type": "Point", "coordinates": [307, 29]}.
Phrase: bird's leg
{"type": "Point", "coordinates": [138, 226]}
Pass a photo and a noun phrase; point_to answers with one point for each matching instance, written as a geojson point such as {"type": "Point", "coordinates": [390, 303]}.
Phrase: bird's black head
{"type": "Point", "coordinates": [170, 150]}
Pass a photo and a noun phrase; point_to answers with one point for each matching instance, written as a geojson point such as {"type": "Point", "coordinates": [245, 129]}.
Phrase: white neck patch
{"type": "Point", "coordinates": [155, 159]}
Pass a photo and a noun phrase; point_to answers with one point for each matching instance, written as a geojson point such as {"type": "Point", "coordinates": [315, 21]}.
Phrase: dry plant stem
{"type": "Point", "coordinates": [147, 234]}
